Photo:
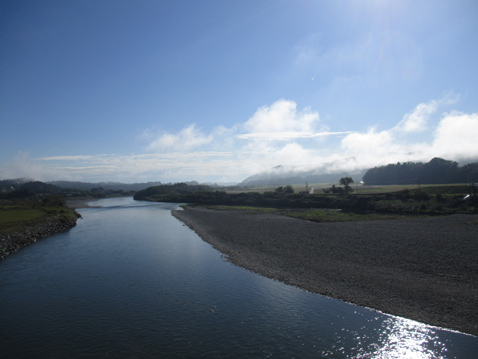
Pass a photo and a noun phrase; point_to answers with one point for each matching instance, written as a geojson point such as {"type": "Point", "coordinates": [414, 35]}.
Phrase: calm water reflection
{"type": "Point", "coordinates": [131, 281]}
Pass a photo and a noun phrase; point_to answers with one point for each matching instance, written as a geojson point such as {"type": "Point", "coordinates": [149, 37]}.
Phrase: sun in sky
{"type": "Point", "coordinates": [171, 91]}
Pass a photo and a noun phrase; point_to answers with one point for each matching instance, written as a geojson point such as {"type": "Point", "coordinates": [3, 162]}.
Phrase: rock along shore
{"type": "Point", "coordinates": [424, 269]}
{"type": "Point", "coordinates": [12, 242]}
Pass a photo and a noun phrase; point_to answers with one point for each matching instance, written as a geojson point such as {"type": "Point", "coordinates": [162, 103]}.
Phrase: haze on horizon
{"type": "Point", "coordinates": [216, 91]}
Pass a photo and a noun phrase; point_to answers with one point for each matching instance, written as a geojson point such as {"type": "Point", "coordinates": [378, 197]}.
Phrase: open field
{"type": "Point", "coordinates": [357, 188]}
{"type": "Point", "coordinates": [16, 217]}
{"type": "Point", "coordinates": [315, 215]}
{"type": "Point", "coordinates": [11, 215]}
{"type": "Point", "coordinates": [318, 188]}
{"type": "Point", "coordinates": [380, 202]}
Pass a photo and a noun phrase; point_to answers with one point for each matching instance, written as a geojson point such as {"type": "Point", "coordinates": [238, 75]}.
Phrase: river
{"type": "Point", "coordinates": [132, 281]}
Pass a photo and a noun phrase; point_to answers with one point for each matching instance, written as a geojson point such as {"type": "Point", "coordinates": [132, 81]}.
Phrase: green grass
{"type": "Point", "coordinates": [315, 215]}
{"type": "Point", "coordinates": [16, 217]}
{"type": "Point", "coordinates": [259, 189]}
{"type": "Point", "coordinates": [381, 202]}
{"type": "Point", "coordinates": [382, 189]}
{"type": "Point", "coordinates": [328, 216]}
{"type": "Point", "coordinates": [242, 208]}
{"type": "Point", "coordinates": [363, 189]}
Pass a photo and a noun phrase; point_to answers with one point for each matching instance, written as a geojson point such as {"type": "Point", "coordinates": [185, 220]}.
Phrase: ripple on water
{"type": "Point", "coordinates": [131, 281]}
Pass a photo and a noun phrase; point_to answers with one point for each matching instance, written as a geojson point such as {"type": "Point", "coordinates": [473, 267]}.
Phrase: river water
{"type": "Point", "coordinates": [131, 281]}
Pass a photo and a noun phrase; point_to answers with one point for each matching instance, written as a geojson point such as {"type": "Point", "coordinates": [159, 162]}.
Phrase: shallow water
{"type": "Point", "coordinates": [131, 281]}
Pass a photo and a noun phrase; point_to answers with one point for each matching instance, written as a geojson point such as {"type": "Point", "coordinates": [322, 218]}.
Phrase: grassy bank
{"type": "Point", "coordinates": [24, 222]}
{"type": "Point", "coordinates": [314, 215]}
{"type": "Point", "coordinates": [15, 216]}
{"type": "Point", "coordinates": [424, 201]}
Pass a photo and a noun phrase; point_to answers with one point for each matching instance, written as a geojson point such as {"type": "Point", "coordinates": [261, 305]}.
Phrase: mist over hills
{"type": "Point", "coordinates": [281, 175]}
{"type": "Point", "coordinates": [437, 170]}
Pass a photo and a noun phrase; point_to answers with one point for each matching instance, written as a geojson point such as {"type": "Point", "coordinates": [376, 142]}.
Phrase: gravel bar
{"type": "Point", "coordinates": [425, 269]}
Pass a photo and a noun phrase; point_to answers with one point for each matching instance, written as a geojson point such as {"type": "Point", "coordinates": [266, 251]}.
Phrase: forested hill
{"type": "Point", "coordinates": [166, 191]}
{"type": "Point", "coordinates": [437, 171]}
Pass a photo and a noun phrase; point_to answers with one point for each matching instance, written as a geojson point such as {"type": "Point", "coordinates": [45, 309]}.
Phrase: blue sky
{"type": "Point", "coordinates": [137, 91]}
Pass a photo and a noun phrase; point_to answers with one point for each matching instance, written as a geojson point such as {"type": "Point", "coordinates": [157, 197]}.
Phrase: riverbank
{"type": "Point", "coordinates": [79, 203]}
{"type": "Point", "coordinates": [11, 242]}
{"type": "Point", "coordinates": [23, 222]}
{"type": "Point", "coordinates": [424, 269]}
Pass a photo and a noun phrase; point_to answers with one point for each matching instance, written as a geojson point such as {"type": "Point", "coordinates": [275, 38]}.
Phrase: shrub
{"type": "Point", "coordinates": [421, 195]}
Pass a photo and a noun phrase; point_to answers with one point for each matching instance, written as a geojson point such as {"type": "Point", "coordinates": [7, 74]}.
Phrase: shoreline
{"type": "Point", "coordinates": [14, 241]}
{"type": "Point", "coordinates": [422, 269]}
{"type": "Point", "coordinates": [79, 203]}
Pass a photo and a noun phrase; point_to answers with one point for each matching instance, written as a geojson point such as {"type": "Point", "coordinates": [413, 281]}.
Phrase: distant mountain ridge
{"type": "Point", "coordinates": [115, 186]}
{"type": "Point", "coordinates": [437, 171]}
{"type": "Point", "coordinates": [69, 187]}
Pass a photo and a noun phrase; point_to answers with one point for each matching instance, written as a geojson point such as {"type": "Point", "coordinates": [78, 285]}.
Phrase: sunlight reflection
{"type": "Point", "coordinates": [404, 338]}
{"type": "Point", "coordinates": [386, 337]}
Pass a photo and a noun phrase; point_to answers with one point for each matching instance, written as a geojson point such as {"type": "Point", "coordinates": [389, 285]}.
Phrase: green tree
{"type": "Point", "coordinates": [288, 189]}
{"type": "Point", "coordinates": [285, 189]}
{"type": "Point", "coordinates": [346, 182]}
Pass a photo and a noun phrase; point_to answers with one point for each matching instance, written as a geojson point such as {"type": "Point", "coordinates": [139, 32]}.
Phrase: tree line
{"type": "Point", "coordinates": [437, 171]}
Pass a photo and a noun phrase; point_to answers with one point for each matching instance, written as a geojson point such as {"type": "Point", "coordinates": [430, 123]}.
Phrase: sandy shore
{"type": "Point", "coordinates": [422, 269]}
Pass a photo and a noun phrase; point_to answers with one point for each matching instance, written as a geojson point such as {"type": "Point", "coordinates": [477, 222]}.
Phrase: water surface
{"type": "Point", "coordinates": [131, 281]}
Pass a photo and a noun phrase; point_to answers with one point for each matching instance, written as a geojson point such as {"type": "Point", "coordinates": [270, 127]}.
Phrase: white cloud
{"type": "Point", "coordinates": [220, 155]}
{"type": "Point", "coordinates": [184, 140]}
{"type": "Point", "coordinates": [416, 121]}
{"type": "Point", "coordinates": [294, 153]}
{"type": "Point", "coordinates": [22, 166]}
{"type": "Point", "coordinates": [370, 149]}
{"type": "Point", "coordinates": [281, 120]}
{"type": "Point", "coordinates": [285, 136]}
{"type": "Point", "coordinates": [68, 158]}
{"type": "Point", "coordinates": [370, 142]}
{"type": "Point", "coordinates": [456, 136]}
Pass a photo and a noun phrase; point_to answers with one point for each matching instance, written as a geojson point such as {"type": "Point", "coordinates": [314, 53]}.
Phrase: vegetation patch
{"type": "Point", "coordinates": [315, 215]}
{"type": "Point", "coordinates": [15, 216]}
{"type": "Point", "coordinates": [328, 216]}
{"type": "Point", "coordinates": [243, 208]}
{"type": "Point", "coordinates": [437, 171]}
{"type": "Point", "coordinates": [423, 201]}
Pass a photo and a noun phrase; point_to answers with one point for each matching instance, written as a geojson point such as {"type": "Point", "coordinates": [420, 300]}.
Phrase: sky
{"type": "Point", "coordinates": [216, 91]}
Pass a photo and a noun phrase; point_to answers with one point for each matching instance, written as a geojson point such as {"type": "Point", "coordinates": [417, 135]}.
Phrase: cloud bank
{"type": "Point", "coordinates": [184, 140]}
{"type": "Point", "coordinates": [276, 134]}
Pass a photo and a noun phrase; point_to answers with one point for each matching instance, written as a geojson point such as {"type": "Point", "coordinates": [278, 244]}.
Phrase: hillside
{"type": "Point", "coordinates": [115, 186]}
{"type": "Point", "coordinates": [437, 171]}
{"type": "Point", "coordinates": [281, 175]}
{"type": "Point", "coordinates": [167, 193]}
